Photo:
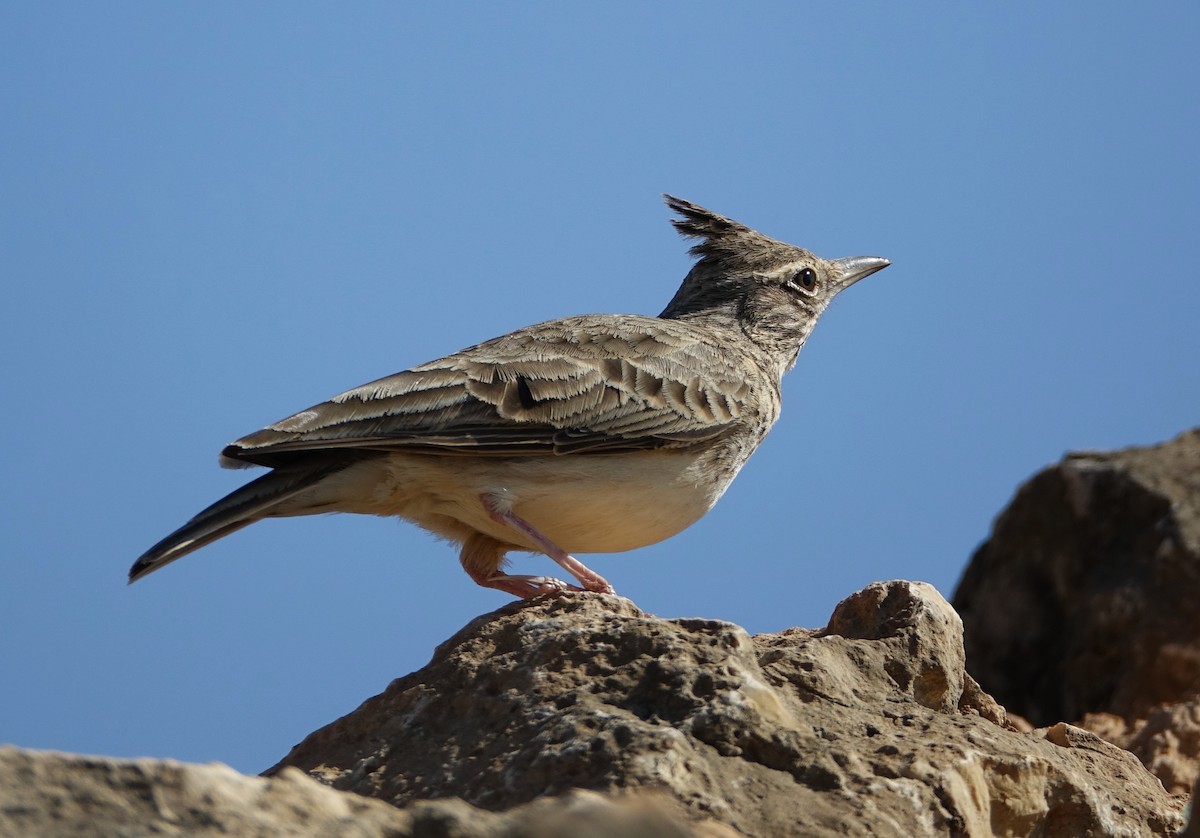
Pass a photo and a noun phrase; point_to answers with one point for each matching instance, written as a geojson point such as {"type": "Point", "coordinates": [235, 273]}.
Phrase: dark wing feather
{"type": "Point", "coordinates": [578, 385]}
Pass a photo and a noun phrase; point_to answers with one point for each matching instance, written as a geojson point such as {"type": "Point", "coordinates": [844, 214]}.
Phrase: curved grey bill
{"type": "Point", "coordinates": [854, 268]}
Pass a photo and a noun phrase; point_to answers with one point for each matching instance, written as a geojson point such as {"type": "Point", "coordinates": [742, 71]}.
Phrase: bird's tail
{"type": "Point", "coordinates": [256, 500]}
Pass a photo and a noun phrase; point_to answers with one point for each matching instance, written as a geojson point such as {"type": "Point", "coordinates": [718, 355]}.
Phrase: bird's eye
{"type": "Point", "coordinates": [805, 279]}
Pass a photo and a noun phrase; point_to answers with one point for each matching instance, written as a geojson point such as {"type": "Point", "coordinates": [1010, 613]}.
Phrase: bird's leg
{"type": "Point", "coordinates": [481, 558]}
{"type": "Point", "coordinates": [589, 579]}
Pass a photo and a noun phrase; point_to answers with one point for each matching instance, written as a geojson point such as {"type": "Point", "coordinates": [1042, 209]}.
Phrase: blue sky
{"type": "Point", "coordinates": [214, 215]}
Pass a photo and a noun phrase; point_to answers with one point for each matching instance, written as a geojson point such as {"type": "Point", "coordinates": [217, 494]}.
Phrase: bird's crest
{"type": "Point", "coordinates": [699, 223]}
{"type": "Point", "coordinates": [722, 240]}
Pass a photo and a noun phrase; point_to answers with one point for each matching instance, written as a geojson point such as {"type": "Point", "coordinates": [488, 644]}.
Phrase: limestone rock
{"type": "Point", "coordinates": [1167, 742]}
{"type": "Point", "coordinates": [44, 794]}
{"type": "Point", "coordinates": [868, 727]}
{"type": "Point", "coordinates": [582, 715]}
{"type": "Point", "coordinates": [1192, 830]}
{"type": "Point", "coordinates": [1083, 603]}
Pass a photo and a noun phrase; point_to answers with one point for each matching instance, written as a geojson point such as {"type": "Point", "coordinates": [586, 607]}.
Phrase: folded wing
{"type": "Point", "coordinates": [578, 385]}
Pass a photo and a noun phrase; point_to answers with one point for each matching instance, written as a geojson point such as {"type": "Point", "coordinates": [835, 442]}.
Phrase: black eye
{"type": "Point", "coordinates": [805, 278]}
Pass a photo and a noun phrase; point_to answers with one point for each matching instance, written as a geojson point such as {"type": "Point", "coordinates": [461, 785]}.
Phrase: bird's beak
{"type": "Point", "coordinates": [853, 268]}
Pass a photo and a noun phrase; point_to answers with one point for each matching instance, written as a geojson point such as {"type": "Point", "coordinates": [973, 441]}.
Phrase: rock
{"type": "Point", "coordinates": [1192, 830]}
{"type": "Point", "coordinates": [1167, 742]}
{"type": "Point", "coordinates": [582, 715]}
{"type": "Point", "coordinates": [49, 795]}
{"type": "Point", "coordinates": [868, 727]}
{"type": "Point", "coordinates": [1082, 605]}
{"type": "Point", "coordinates": [43, 793]}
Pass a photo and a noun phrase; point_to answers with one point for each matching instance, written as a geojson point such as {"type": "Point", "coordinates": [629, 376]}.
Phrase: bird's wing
{"type": "Point", "coordinates": [582, 384]}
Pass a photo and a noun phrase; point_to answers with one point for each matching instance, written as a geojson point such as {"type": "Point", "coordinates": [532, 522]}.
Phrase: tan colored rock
{"type": "Point", "coordinates": [582, 715]}
{"type": "Point", "coordinates": [1192, 830]}
{"type": "Point", "coordinates": [1168, 743]}
{"type": "Point", "coordinates": [44, 794]}
{"type": "Point", "coordinates": [868, 727]}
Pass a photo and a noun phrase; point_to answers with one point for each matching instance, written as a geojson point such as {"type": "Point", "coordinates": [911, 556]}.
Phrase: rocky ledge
{"type": "Point", "coordinates": [583, 713]}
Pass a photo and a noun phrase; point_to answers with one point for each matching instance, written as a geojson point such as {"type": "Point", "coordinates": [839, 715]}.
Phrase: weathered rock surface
{"type": "Point", "coordinates": [868, 727]}
{"type": "Point", "coordinates": [44, 794]}
{"type": "Point", "coordinates": [584, 716]}
{"type": "Point", "coordinates": [1083, 604]}
{"type": "Point", "coordinates": [1167, 742]}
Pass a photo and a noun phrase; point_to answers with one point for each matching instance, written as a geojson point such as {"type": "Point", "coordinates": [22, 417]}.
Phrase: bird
{"type": "Point", "coordinates": [597, 433]}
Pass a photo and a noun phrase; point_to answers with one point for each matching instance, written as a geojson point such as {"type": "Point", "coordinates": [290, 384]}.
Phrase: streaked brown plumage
{"type": "Point", "coordinates": [596, 433]}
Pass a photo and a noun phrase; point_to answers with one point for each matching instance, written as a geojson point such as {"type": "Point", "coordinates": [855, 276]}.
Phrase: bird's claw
{"type": "Point", "coordinates": [527, 587]}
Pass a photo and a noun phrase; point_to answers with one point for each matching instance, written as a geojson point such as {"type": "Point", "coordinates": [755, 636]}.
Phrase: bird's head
{"type": "Point", "coordinates": [770, 290]}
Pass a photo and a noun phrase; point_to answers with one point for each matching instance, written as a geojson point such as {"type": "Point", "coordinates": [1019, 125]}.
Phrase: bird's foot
{"type": "Point", "coordinates": [527, 587]}
{"type": "Point", "coordinates": [588, 578]}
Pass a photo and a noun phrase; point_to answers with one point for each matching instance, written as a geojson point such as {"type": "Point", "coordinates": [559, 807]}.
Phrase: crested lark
{"type": "Point", "coordinates": [598, 433]}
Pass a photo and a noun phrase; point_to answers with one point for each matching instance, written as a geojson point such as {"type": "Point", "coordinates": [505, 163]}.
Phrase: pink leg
{"type": "Point", "coordinates": [589, 579]}
{"type": "Point", "coordinates": [483, 556]}
{"type": "Point", "coordinates": [526, 587]}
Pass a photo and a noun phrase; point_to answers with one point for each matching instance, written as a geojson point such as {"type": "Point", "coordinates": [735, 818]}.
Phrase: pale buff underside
{"type": "Point", "coordinates": [588, 504]}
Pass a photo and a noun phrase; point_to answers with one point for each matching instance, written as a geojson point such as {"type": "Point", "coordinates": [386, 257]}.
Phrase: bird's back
{"type": "Point", "coordinates": [591, 384]}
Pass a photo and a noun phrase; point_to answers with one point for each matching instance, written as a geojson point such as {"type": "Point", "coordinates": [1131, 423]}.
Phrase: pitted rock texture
{"type": "Point", "coordinates": [1084, 604]}
{"type": "Point", "coordinates": [868, 727]}
{"type": "Point", "coordinates": [44, 794]}
{"type": "Point", "coordinates": [1167, 741]}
